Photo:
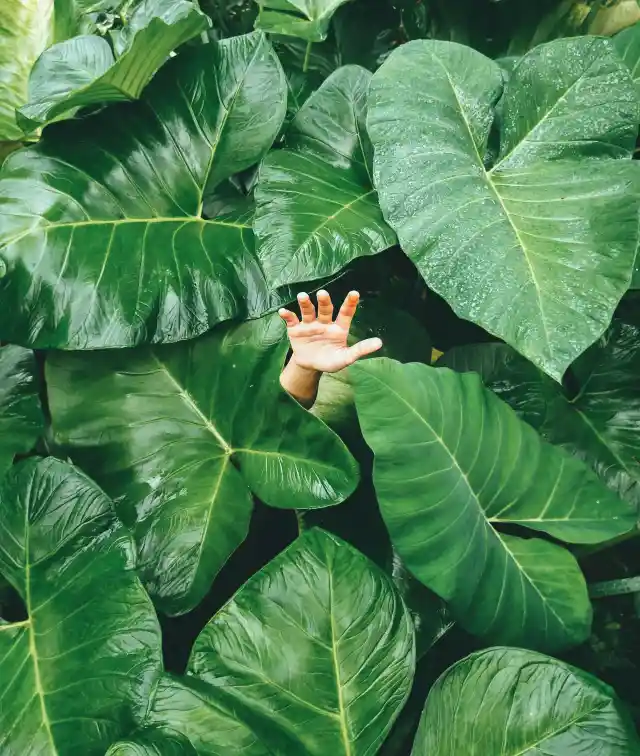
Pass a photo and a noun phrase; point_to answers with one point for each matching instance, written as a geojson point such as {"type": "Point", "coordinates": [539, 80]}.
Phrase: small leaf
{"type": "Point", "coordinates": [507, 701]}
{"type": "Point", "coordinates": [78, 672]}
{"type": "Point", "coordinates": [451, 462]}
{"type": "Point", "coordinates": [152, 741]}
{"type": "Point", "coordinates": [539, 248]}
{"type": "Point", "coordinates": [102, 232]}
{"type": "Point", "coordinates": [21, 419]}
{"type": "Point", "coordinates": [181, 436]}
{"type": "Point", "coordinates": [338, 682]}
{"type": "Point", "coordinates": [308, 19]}
{"type": "Point", "coordinates": [317, 209]}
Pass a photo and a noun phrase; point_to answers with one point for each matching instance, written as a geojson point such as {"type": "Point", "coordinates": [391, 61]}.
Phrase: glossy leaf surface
{"type": "Point", "coordinates": [181, 436]}
{"type": "Point", "coordinates": [627, 45]}
{"type": "Point", "coordinates": [345, 670]}
{"type": "Point", "coordinates": [83, 71]}
{"type": "Point", "coordinates": [26, 28]}
{"type": "Point", "coordinates": [153, 741]}
{"type": "Point", "coordinates": [308, 19]}
{"type": "Point", "coordinates": [539, 247]}
{"type": "Point", "coordinates": [316, 206]}
{"type": "Point", "coordinates": [21, 420]}
{"type": "Point", "coordinates": [506, 701]}
{"type": "Point", "coordinates": [102, 236]}
{"type": "Point", "coordinates": [78, 673]}
{"type": "Point", "coordinates": [600, 424]}
{"type": "Point", "coordinates": [451, 463]}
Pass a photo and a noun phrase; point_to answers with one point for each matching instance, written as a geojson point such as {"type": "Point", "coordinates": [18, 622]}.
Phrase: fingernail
{"type": "Point", "coordinates": [303, 295]}
{"type": "Point", "coordinates": [323, 293]}
{"type": "Point", "coordinates": [282, 311]}
{"type": "Point", "coordinates": [354, 294]}
{"type": "Point", "coordinates": [378, 343]}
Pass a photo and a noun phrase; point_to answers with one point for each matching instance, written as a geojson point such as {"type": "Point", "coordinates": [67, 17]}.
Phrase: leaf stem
{"type": "Point", "coordinates": [307, 54]}
{"type": "Point", "coordinates": [301, 523]}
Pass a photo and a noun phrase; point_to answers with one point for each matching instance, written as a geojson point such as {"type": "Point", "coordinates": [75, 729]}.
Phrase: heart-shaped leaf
{"type": "Point", "coordinates": [78, 672]}
{"type": "Point", "coordinates": [538, 247]}
{"type": "Point", "coordinates": [180, 436]}
{"type": "Point", "coordinates": [337, 683]}
{"type": "Point", "coordinates": [84, 70]}
{"type": "Point", "coordinates": [103, 240]}
{"type": "Point", "coordinates": [506, 701]}
{"type": "Point", "coordinates": [600, 423]}
{"type": "Point", "coordinates": [308, 19]}
{"type": "Point", "coordinates": [21, 420]}
{"type": "Point", "coordinates": [451, 462]}
{"type": "Point", "coordinates": [316, 206]}
{"type": "Point", "coordinates": [26, 28]}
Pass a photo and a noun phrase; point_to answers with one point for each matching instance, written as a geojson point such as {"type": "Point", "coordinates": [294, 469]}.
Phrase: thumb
{"type": "Point", "coordinates": [362, 348]}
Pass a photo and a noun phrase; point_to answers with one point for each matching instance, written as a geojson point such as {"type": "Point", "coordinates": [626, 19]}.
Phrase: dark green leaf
{"type": "Point", "coordinates": [308, 19]}
{"type": "Point", "coordinates": [21, 420]}
{"type": "Point", "coordinates": [316, 206]}
{"type": "Point", "coordinates": [600, 424]}
{"type": "Point", "coordinates": [627, 45]}
{"type": "Point", "coordinates": [452, 462]}
{"type": "Point", "coordinates": [180, 436]}
{"type": "Point", "coordinates": [78, 672]}
{"type": "Point", "coordinates": [539, 249]}
{"type": "Point", "coordinates": [153, 742]}
{"type": "Point", "coordinates": [345, 669]}
{"type": "Point", "coordinates": [102, 237]}
{"type": "Point", "coordinates": [507, 701]}
{"type": "Point", "coordinates": [26, 28]}
{"type": "Point", "coordinates": [83, 71]}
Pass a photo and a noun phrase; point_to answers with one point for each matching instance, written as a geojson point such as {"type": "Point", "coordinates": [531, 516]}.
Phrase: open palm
{"type": "Point", "coordinates": [320, 343]}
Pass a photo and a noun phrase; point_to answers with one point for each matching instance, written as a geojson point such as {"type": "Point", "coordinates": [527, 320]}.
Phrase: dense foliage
{"type": "Point", "coordinates": [439, 559]}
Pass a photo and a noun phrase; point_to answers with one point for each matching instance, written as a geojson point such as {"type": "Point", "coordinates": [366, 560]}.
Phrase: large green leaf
{"type": "Point", "coordinates": [21, 420]}
{"type": "Point", "coordinates": [153, 741]}
{"type": "Point", "coordinates": [78, 672]}
{"type": "Point", "coordinates": [83, 71]}
{"type": "Point", "coordinates": [451, 462]}
{"type": "Point", "coordinates": [539, 248]}
{"type": "Point", "coordinates": [509, 702]}
{"type": "Point", "coordinates": [101, 235]}
{"type": "Point", "coordinates": [308, 19]}
{"type": "Point", "coordinates": [599, 424]}
{"type": "Point", "coordinates": [180, 436]}
{"type": "Point", "coordinates": [308, 664]}
{"type": "Point", "coordinates": [316, 206]}
{"type": "Point", "coordinates": [26, 28]}
{"type": "Point", "coordinates": [627, 45]}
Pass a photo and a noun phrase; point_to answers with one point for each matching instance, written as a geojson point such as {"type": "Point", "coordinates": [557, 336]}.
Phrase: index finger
{"type": "Point", "coordinates": [348, 310]}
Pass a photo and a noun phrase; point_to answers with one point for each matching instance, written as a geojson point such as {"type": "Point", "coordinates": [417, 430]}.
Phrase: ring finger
{"type": "Point", "coordinates": [307, 310]}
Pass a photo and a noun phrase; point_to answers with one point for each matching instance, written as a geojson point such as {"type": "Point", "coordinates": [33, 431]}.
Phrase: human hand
{"type": "Point", "coordinates": [320, 343]}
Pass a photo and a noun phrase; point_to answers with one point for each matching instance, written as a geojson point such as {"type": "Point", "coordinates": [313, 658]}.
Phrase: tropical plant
{"type": "Point", "coordinates": [191, 563]}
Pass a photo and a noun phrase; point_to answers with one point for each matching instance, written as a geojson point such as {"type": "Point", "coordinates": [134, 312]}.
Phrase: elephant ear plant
{"type": "Point", "coordinates": [193, 564]}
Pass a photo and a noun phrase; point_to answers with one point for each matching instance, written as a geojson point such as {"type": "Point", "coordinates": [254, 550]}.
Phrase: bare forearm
{"type": "Point", "coordinates": [301, 383]}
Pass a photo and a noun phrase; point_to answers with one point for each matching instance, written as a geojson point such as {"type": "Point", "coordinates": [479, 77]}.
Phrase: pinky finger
{"type": "Point", "coordinates": [290, 318]}
{"type": "Point", "coordinates": [362, 349]}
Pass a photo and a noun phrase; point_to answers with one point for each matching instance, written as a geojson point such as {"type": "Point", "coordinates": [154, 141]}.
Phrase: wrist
{"type": "Point", "coordinates": [300, 382]}
{"type": "Point", "coordinates": [303, 370]}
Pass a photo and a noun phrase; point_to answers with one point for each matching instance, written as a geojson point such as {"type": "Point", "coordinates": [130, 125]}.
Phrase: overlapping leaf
{"type": "Point", "coordinates": [599, 424]}
{"type": "Point", "coordinates": [509, 701]}
{"type": "Point", "coordinates": [84, 70]}
{"type": "Point", "coordinates": [153, 741]}
{"type": "Point", "coordinates": [335, 686]}
{"type": "Point", "coordinates": [180, 436]}
{"type": "Point", "coordinates": [21, 420]}
{"type": "Point", "coordinates": [308, 19]}
{"type": "Point", "coordinates": [452, 462]}
{"type": "Point", "coordinates": [316, 206]}
{"type": "Point", "coordinates": [627, 45]}
{"type": "Point", "coordinates": [78, 672]}
{"type": "Point", "coordinates": [26, 28]}
{"type": "Point", "coordinates": [102, 240]}
{"type": "Point", "coordinates": [539, 248]}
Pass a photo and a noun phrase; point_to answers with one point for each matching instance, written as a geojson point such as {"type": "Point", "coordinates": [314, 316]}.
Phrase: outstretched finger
{"type": "Point", "coordinates": [307, 310]}
{"type": "Point", "coordinates": [325, 307]}
{"type": "Point", "coordinates": [290, 318]}
{"type": "Point", "coordinates": [362, 349]}
{"type": "Point", "coordinates": [348, 310]}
